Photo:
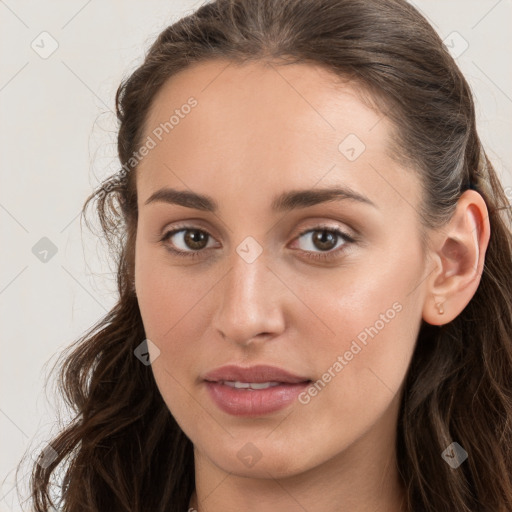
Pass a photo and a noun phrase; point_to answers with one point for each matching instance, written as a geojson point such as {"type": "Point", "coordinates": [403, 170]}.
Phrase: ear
{"type": "Point", "coordinates": [458, 253]}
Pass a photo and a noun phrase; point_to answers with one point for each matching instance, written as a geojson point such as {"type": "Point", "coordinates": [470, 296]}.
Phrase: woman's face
{"type": "Point", "coordinates": [247, 289]}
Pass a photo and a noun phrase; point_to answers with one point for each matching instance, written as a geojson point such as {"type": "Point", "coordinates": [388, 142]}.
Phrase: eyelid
{"type": "Point", "coordinates": [319, 226]}
{"type": "Point", "coordinates": [175, 229]}
{"type": "Point", "coordinates": [328, 227]}
{"type": "Point", "coordinates": [314, 227]}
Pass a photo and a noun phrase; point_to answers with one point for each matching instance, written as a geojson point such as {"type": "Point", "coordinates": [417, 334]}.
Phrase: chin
{"type": "Point", "coordinates": [259, 459]}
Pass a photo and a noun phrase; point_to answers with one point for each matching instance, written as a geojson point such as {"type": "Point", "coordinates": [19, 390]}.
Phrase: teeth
{"type": "Point", "coordinates": [250, 385]}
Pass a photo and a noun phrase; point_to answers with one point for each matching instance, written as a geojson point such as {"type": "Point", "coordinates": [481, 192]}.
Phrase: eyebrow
{"type": "Point", "coordinates": [291, 200]}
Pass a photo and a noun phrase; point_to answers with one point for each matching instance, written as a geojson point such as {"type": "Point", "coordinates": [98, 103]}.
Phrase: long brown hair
{"type": "Point", "coordinates": [124, 451]}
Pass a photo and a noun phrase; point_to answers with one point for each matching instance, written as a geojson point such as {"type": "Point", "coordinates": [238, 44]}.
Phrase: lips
{"type": "Point", "coordinates": [253, 374]}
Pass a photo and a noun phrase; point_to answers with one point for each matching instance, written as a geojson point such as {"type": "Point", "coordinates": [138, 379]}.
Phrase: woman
{"type": "Point", "coordinates": [314, 267]}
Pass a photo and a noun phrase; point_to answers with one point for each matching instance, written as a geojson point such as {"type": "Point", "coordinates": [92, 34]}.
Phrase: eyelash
{"type": "Point", "coordinates": [322, 256]}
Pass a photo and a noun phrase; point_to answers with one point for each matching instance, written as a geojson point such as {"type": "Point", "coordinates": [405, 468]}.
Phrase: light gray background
{"type": "Point", "coordinates": [57, 141]}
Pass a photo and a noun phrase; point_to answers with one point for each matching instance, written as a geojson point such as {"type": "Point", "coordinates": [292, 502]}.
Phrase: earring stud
{"type": "Point", "coordinates": [440, 308]}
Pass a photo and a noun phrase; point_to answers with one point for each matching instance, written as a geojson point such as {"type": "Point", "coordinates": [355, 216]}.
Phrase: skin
{"type": "Point", "coordinates": [259, 130]}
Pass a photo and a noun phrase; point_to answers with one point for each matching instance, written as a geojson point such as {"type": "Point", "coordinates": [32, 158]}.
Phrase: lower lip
{"type": "Point", "coordinates": [254, 402]}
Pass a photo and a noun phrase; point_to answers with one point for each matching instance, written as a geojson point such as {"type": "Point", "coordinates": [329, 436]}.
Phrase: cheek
{"type": "Point", "coordinates": [375, 315]}
{"type": "Point", "coordinates": [169, 302]}
{"type": "Point", "coordinates": [166, 302]}
{"type": "Point", "coordinates": [362, 377]}
{"type": "Point", "coordinates": [168, 296]}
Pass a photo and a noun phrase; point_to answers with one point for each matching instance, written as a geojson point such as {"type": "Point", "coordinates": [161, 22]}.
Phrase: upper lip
{"type": "Point", "coordinates": [259, 373]}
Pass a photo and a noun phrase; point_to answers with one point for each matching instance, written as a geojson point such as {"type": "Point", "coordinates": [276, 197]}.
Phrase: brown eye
{"type": "Point", "coordinates": [186, 241]}
{"type": "Point", "coordinates": [324, 243]}
{"type": "Point", "coordinates": [324, 240]}
{"type": "Point", "coordinates": [195, 239]}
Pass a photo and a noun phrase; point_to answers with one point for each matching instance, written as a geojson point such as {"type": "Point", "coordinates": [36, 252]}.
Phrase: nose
{"type": "Point", "coordinates": [250, 307]}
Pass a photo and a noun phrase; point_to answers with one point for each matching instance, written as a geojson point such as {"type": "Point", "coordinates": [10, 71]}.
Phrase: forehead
{"type": "Point", "coordinates": [262, 124]}
{"type": "Point", "coordinates": [274, 102]}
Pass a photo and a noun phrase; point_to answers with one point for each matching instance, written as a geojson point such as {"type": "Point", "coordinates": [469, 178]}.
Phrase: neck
{"type": "Point", "coordinates": [395, 503]}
